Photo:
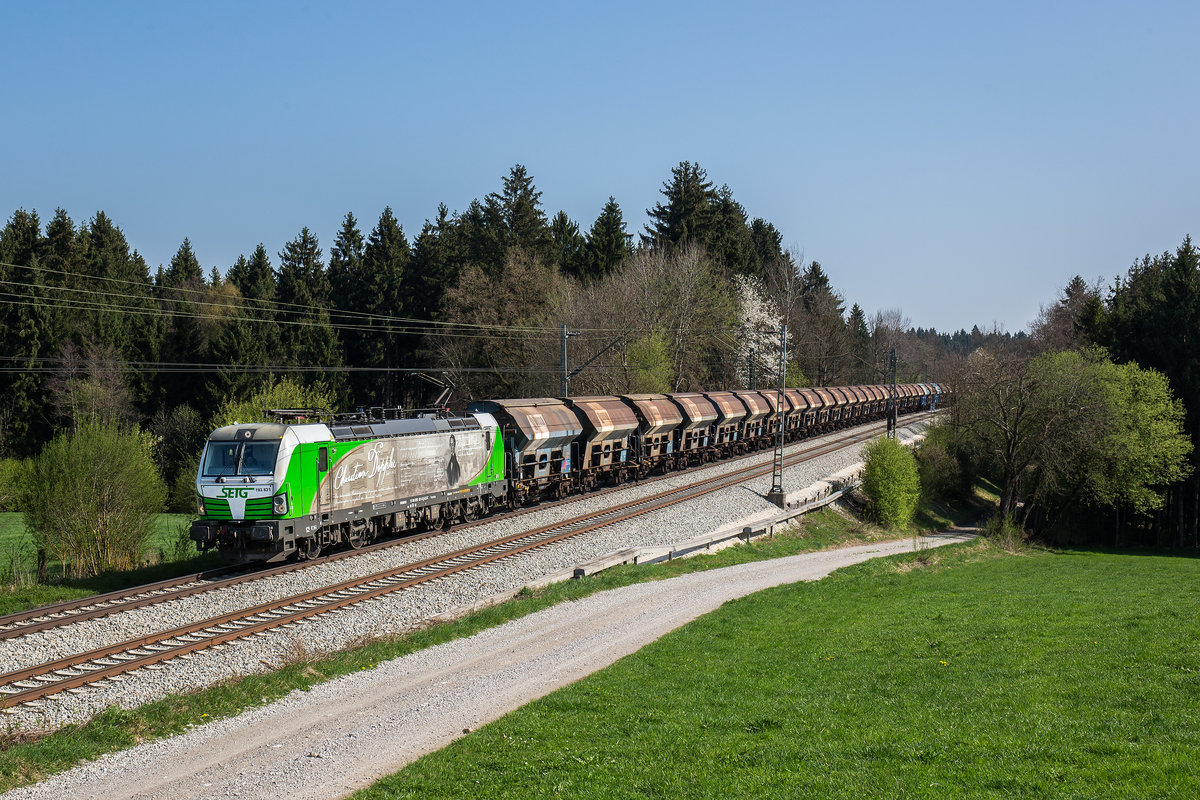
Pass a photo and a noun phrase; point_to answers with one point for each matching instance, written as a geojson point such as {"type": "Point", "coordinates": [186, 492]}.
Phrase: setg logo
{"type": "Point", "coordinates": [235, 492]}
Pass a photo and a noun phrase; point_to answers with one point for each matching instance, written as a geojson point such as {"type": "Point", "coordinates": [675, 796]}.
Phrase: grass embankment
{"type": "Point", "coordinates": [26, 756]}
{"type": "Point", "coordinates": [939, 674]}
{"type": "Point", "coordinates": [167, 554]}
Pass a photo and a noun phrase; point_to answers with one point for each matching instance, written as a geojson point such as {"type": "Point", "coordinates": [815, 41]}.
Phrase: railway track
{"type": "Point", "coordinates": [58, 615]}
{"type": "Point", "coordinates": [111, 662]}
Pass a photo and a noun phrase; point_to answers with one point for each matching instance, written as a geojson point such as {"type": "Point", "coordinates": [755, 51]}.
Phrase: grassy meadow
{"type": "Point", "coordinates": [28, 755]}
{"type": "Point", "coordinates": [967, 672]}
{"type": "Point", "coordinates": [167, 552]}
{"type": "Point", "coordinates": [970, 670]}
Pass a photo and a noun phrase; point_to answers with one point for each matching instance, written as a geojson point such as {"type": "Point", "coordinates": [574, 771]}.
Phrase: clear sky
{"type": "Point", "coordinates": [958, 160]}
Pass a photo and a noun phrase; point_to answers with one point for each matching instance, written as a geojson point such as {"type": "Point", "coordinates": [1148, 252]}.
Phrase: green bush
{"type": "Point", "coordinates": [891, 482]}
{"type": "Point", "coordinates": [182, 498]}
{"type": "Point", "coordinates": [941, 467]}
{"type": "Point", "coordinates": [91, 498]}
{"type": "Point", "coordinates": [283, 393]}
{"type": "Point", "coordinates": [1004, 532]}
{"type": "Point", "coordinates": [12, 471]}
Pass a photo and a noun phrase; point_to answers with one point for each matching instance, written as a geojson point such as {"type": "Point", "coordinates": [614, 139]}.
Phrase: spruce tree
{"type": "Point", "coordinates": [254, 277]}
{"type": "Point", "coordinates": [729, 240]}
{"type": "Point", "coordinates": [184, 269]}
{"type": "Point", "coordinates": [569, 247]}
{"type": "Point", "coordinates": [608, 244]}
{"type": "Point", "coordinates": [183, 339]}
{"type": "Point", "coordinates": [687, 214]}
{"type": "Point", "coordinates": [860, 344]}
{"type": "Point", "coordinates": [307, 337]}
{"type": "Point", "coordinates": [519, 208]}
{"type": "Point", "coordinates": [768, 243]}
{"type": "Point", "coordinates": [481, 231]}
{"type": "Point", "coordinates": [437, 257]}
{"type": "Point", "coordinates": [106, 255]}
{"type": "Point", "coordinates": [61, 257]}
{"type": "Point", "coordinates": [385, 295]}
{"type": "Point", "coordinates": [348, 293]}
{"type": "Point", "coordinates": [345, 267]}
{"type": "Point", "coordinates": [125, 319]}
{"type": "Point", "coordinates": [26, 336]}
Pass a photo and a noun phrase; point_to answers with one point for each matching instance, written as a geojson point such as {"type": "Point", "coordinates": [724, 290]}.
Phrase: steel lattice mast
{"type": "Point", "coordinates": [776, 495]}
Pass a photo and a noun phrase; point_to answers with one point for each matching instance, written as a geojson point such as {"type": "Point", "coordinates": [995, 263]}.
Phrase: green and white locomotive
{"type": "Point", "coordinates": [273, 491]}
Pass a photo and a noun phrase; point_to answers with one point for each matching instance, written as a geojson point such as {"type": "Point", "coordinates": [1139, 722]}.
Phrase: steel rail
{"type": "Point", "coordinates": [58, 615]}
{"type": "Point", "coordinates": [71, 672]}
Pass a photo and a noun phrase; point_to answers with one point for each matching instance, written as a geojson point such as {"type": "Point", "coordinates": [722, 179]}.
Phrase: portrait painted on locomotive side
{"type": "Point", "coordinates": [453, 471]}
{"type": "Point", "coordinates": [392, 469]}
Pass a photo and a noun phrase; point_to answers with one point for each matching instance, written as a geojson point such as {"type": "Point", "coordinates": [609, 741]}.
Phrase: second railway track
{"type": "Point", "coordinates": [69, 673]}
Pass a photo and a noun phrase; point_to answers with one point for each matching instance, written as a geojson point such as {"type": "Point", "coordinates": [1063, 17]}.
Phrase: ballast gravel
{"type": "Point", "coordinates": [391, 614]}
{"type": "Point", "coordinates": [345, 734]}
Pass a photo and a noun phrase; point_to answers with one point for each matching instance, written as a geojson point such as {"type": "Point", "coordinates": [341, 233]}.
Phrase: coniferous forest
{"type": "Point", "coordinates": [472, 303]}
{"type": "Point", "coordinates": [477, 303]}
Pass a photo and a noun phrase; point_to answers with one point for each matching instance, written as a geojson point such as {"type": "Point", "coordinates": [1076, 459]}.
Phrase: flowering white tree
{"type": "Point", "coordinates": [758, 332]}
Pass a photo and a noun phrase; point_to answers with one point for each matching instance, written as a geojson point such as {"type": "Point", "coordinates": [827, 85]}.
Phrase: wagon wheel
{"type": "Point", "coordinates": [439, 520]}
{"type": "Point", "coordinates": [356, 537]}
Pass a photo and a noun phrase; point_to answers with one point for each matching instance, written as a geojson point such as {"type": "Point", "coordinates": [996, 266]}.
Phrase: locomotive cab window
{"type": "Point", "coordinates": [258, 458]}
{"type": "Point", "coordinates": [240, 458]}
{"type": "Point", "coordinates": [221, 459]}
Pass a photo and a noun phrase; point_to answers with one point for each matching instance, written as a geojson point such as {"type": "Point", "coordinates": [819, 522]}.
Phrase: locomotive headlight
{"type": "Point", "coordinates": [280, 504]}
{"type": "Point", "coordinates": [200, 505]}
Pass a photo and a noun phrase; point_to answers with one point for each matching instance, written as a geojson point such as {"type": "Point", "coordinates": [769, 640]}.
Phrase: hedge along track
{"type": "Point", "coordinates": [110, 662]}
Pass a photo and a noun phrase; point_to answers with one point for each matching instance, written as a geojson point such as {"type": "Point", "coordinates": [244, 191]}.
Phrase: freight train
{"type": "Point", "coordinates": [289, 490]}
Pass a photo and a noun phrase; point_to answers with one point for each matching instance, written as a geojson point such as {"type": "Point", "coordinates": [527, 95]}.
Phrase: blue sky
{"type": "Point", "coordinates": [960, 161]}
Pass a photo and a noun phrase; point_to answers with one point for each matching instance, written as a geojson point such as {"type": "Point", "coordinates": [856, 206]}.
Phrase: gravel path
{"type": "Point", "coordinates": [347, 733]}
{"type": "Point", "coordinates": [386, 615]}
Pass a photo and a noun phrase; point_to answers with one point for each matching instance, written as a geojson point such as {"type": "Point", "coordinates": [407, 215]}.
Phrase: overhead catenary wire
{"type": "Point", "coordinates": [158, 301]}
{"type": "Point", "coordinates": [393, 324]}
{"type": "Point", "coordinates": [262, 304]}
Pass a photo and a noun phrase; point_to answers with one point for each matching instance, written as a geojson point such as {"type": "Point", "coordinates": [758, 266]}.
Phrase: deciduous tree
{"type": "Point", "coordinates": [92, 496]}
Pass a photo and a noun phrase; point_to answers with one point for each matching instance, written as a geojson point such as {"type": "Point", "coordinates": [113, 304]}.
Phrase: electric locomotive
{"type": "Point", "coordinates": [273, 491]}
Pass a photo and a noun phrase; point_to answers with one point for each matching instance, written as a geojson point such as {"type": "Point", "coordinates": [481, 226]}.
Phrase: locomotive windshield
{"type": "Point", "coordinates": [240, 458]}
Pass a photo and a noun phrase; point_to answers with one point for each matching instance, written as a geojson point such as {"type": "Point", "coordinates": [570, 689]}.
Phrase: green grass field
{"type": "Point", "coordinates": [944, 675]}
{"type": "Point", "coordinates": [164, 556]}
{"type": "Point", "coordinates": [960, 671]}
{"type": "Point", "coordinates": [26, 756]}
